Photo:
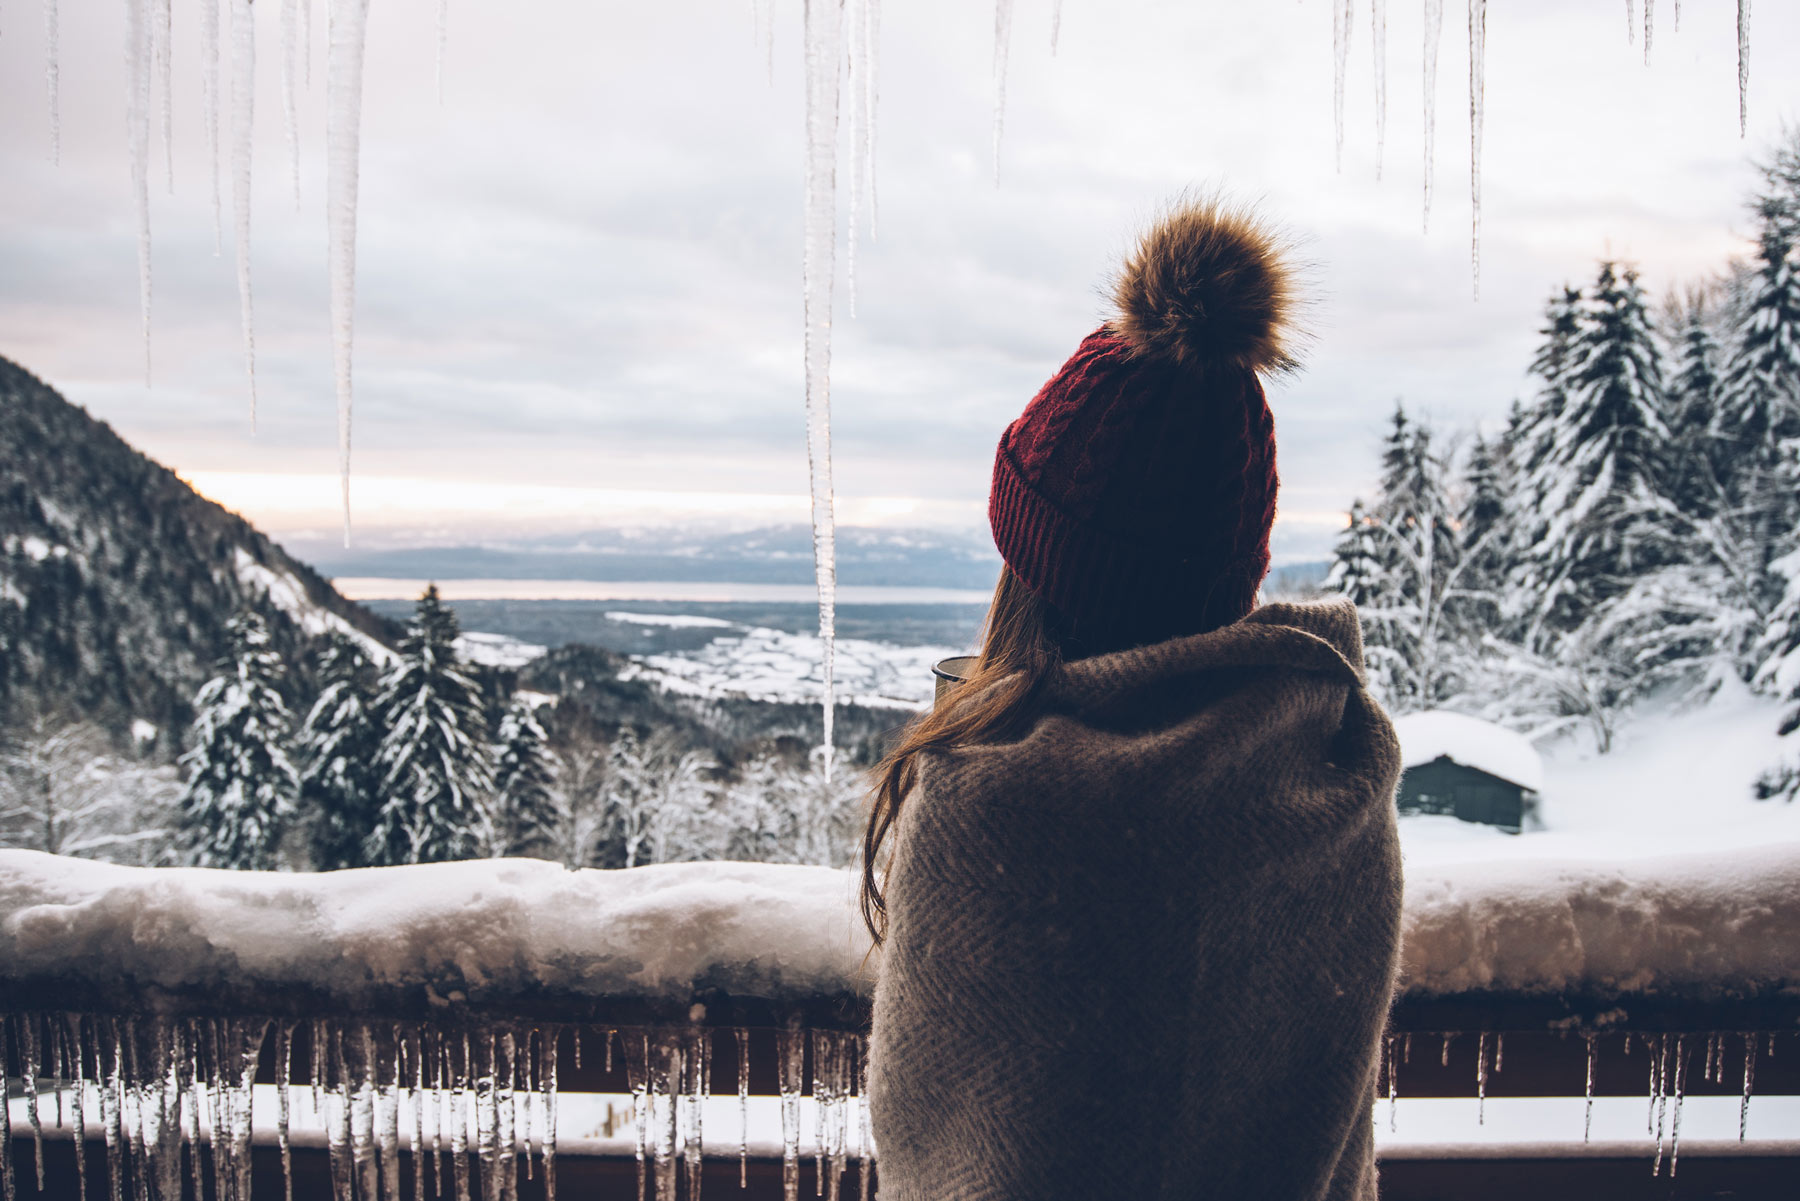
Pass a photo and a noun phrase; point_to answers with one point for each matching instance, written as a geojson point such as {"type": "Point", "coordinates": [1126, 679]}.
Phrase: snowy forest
{"type": "Point", "coordinates": [412, 757]}
{"type": "Point", "coordinates": [1631, 532]}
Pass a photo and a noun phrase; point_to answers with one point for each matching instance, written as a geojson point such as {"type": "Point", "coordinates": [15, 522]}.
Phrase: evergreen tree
{"type": "Point", "coordinates": [525, 810]}
{"type": "Point", "coordinates": [1484, 526]}
{"type": "Point", "coordinates": [1596, 465]}
{"type": "Point", "coordinates": [1356, 561]}
{"type": "Point", "coordinates": [1555, 361]}
{"type": "Point", "coordinates": [435, 767]}
{"type": "Point", "coordinates": [239, 795]}
{"type": "Point", "coordinates": [339, 743]}
{"type": "Point", "coordinates": [1759, 397]}
{"type": "Point", "coordinates": [1414, 549]}
{"type": "Point", "coordinates": [1693, 408]}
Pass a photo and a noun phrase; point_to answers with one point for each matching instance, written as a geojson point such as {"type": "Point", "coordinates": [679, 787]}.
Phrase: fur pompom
{"type": "Point", "coordinates": [1208, 285]}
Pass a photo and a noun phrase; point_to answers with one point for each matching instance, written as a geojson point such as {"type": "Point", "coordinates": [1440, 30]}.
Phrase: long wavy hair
{"type": "Point", "coordinates": [1022, 645]}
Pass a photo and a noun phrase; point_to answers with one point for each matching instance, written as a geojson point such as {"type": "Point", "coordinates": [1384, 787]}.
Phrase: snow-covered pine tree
{"type": "Point", "coordinates": [1413, 547]}
{"type": "Point", "coordinates": [1356, 564]}
{"type": "Point", "coordinates": [1759, 397]}
{"type": "Point", "coordinates": [525, 811]}
{"type": "Point", "coordinates": [1484, 525]}
{"type": "Point", "coordinates": [1696, 462]}
{"type": "Point", "coordinates": [435, 766]}
{"type": "Point", "coordinates": [1556, 358]}
{"type": "Point", "coordinates": [239, 795]}
{"type": "Point", "coordinates": [1596, 466]}
{"type": "Point", "coordinates": [338, 744]}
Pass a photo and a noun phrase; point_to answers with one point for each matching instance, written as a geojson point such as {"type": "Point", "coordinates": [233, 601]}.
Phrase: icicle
{"type": "Point", "coordinates": [1630, 22]}
{"type": "Point", "coordinates": [547, 1078]}
{"type": "Point", "coordinates": [316, 1052]}
{"type": "Point", "coordinates": [246, 1046]}
{"type": "Point", "coordinates": [209, 103]}
{"type": "Point", "coordinates": [1342, 13]}
{"type": "Point", "coordinates": [167, 1040]}
{"type": "Point", "coordinates": [1481, 1079]}
{"type": "Point", "coordinates": [790, 1059]}
{"type": "Point", "coordinates": [1680, 1079]}
{"type": "Point", "coordinates": [337, 1130]}
{"type": "Point", "coordinates": [1593, 1056]}
{"type": "Point", "coordinates": [131, 1105]}
{"type": "Point", "coordinates": [387, 1112]}
{"type": "Point", "coordinates": [459, 1121]}
{"type": "Point", "coordinates": [78, 1054]}
{"type": "Point", "coordinates": [1662, 1101]}
{"type": "Point", "coordinates": [522, 1086]}
{"type": "Point", "coordinates": [865, 1150]}
{"type": "Point", "coordinates": [1393, 1084]}
{"type": "Point", "coordinates": [1749, 1084]}
{"type": "Point", "coordinates": [284, 1066]}
{"type": "Point", "coordinates": [162, 44]}
{"type": "Point", "coordinates": [1477, 117]}
{"type": "Point", "coordinates": [443, 43]}
{"type": "Point", "coordinates": [505, 1161]}
{"type": "Point", "coordinates": [665, 1084]}
{"type": "Point", "coordinates": [112, 1090]}
{"type": "Point", "coordinates": [1677, 16]}
{"type": "Point", "coordinates": [243, 102]}
{"type": "Point", "coordinates": [1003, 10]}
{"type": "Point", "coordinates": [306, 24]}
{"type": "Point", "coordinates": [137, 139]}
{"type": "Point", "coordinates": [348, 25]}
{"type": "Point", "coordinates": [1378, 20]}
{"type": "Point", "coordinates": [415, 1049]}
{"type": "Point", "coordinates": [1445, 1060]}
{"type": "Point", "coordinates": [699, 1089]}
{"type": "Point", "coordinates": [52, 78]}
{"type": "Point", "coordinates": [743, 1084]}
{"type": "Point", "coordinates": [637, 1078]}
{"type": "Point", "coordinates": [290, 88]}
{"type": "Point", "coordinates": [1649, 27]}
{"type": "Point", "coordinates": [1743, 67]}
{"type": "Point", "coordinates": [58, 1059]}
{"type": "Point", "coordinates": [220, 1114]}
{"type": "Point", "coordinates": [362, 1115]}
{"type": "Point", "coordinates": [830, 1087]}
{"type": "Point", "coordinates": [1652, 1044]}
{"type": "Point", "coordinates": [29, 1065]}
{"type": "Point", "coordinates": [1055, 26]}
{"type": "Point", "coordinates": [1499, 1050]}
{"type": "Point", "coordinates": [824, 51]}
{"type": "Point", "coordinates": [440, 1076]}
{"type": "Point", "coordinates": [191, 1085]}
{"type": "Point", "coordinates": [8, 1186]}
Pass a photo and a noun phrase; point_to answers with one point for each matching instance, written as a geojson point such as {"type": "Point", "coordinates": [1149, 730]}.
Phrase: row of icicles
{"type": "Point", "coordinates": [480, 1104]}
{"type": "Point", "coordinates": [174, 1103]}
{"type": "Point", "coordinates": [1667, 1056]}
{"type": "Point", "coordinates": [842, 37]}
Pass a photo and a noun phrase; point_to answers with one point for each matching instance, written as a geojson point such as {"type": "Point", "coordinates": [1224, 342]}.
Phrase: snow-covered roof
{"type": "Point", "coordinates": [1496, 750]}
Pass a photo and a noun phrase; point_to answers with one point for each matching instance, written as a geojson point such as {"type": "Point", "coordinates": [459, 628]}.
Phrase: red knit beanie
{"type": "Point", "coordinates": [1136, 492]}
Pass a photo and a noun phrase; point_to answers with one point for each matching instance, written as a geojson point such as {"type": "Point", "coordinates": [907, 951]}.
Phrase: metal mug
{"type": "Point", "coordinates": [951, 671]}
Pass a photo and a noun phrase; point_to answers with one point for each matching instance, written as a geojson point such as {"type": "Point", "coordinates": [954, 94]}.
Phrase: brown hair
{"type": "Point", "coordinates": [1020, 651]}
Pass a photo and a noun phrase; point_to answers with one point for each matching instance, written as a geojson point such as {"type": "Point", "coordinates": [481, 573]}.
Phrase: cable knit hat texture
{"type": "Point", "coordinates": [1136, 492]}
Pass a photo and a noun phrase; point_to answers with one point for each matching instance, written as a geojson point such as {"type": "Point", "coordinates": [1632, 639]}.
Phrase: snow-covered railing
{"type": "Point", "coordinates": [489, 990]}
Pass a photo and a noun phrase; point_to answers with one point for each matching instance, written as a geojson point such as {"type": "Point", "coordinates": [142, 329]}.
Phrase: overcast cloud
{"type": "Point", "coordinates": [579, 276]}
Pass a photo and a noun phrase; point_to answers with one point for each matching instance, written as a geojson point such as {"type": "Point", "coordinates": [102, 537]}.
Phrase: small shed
{"type": "Point", "coordinates": [1469, 769]}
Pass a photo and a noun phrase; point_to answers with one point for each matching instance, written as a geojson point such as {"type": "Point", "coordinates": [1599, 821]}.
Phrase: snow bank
{"type": "Point", "coordinates": [1699, 926]}
{"type": "Point", "coordinates": [1435, 734]}
{"type": "Point", "coordinates": [413, 938]}
{"type": "Point", "coordinates": [496, 931]}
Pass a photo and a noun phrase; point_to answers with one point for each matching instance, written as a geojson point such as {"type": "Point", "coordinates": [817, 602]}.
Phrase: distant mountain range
{"type": "Point", "coordinates": [117, 579]}
{"type": "Point", "coordinates": [771, 555]}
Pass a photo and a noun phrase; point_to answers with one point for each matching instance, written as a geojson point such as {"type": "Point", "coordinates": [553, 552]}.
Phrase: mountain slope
{"type": "Point", "coordinates": [117, 579]}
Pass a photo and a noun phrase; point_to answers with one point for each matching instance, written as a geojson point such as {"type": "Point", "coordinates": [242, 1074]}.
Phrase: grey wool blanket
{"type": "Point", "coordinates": [1147, 950]}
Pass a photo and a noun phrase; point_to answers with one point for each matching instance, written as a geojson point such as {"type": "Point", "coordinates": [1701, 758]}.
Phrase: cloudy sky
{"type": "Point", "coordinates": [579, 277]}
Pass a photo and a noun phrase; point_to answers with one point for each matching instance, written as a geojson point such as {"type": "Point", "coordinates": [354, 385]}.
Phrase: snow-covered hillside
{"type": "Point", "coordinates": [774, 665]}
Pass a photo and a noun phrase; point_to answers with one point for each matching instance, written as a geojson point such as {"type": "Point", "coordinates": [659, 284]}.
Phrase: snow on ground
{"type": "Point", "coordinates": [676, 621]}
{"type": "Point", "coordinates": [496, 650]}
{"type": "Point", "coordinates": [1674, 783]}
{"type": "Point", "coordinates": [774, 665]}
